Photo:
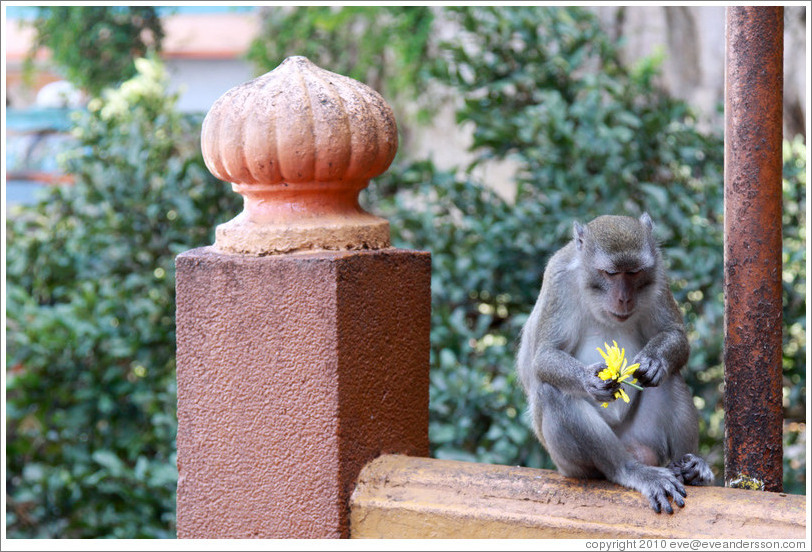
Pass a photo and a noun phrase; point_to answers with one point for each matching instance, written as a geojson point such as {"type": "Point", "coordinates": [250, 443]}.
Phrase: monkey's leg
{"type": "Point", "coordinates": [692, 470]}
{"type": "Point", "coordinates": [665, 429]}
{"type": "Point", "coordinates": [582, 444]}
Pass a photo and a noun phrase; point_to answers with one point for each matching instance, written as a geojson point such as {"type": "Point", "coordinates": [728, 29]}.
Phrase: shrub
{"type": "Point", "coordinates": [545, 88]}
{"type": "Point", "coordinates": [794, 280]}
{"type": "Point", "coordinates": [90, 271]}
{"type": "Point", "coordinates": [96, 46]}
{"type": "Point", "coordinates": [90, 334]}
{"type": "Point", "coordinates": [386, 47]}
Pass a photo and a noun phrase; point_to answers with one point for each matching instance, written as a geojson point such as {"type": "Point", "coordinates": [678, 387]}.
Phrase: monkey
{"type": "Point", "coordinates": [609, 284]}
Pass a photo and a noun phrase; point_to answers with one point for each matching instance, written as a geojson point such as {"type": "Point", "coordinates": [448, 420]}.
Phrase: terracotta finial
{"type": "Point", "coordinates": [299, 143]}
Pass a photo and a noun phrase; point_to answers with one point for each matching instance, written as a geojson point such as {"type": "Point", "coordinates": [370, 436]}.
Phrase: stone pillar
{"type": "Point", "coordinates": [303, 337]}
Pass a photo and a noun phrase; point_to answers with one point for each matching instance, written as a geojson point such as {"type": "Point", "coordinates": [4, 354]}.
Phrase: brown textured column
{"type": "Point", "coordinates": [296, 369]}
{"type": "Point", "coordinates": [753, 312]}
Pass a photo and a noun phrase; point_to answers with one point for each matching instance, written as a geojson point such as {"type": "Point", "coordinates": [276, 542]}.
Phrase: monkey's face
{"type": "Point", "coordinates": [624, 290]}
{"type": "Point", "coordinates": [618, 290]}
{"type": "Point", "coordinates": [619, 262]}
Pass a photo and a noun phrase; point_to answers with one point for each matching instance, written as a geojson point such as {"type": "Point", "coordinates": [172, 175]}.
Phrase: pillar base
{"type": "Point", "coordinates": [242, 236]}
{"type": "Point", "coordinates": [293, 372]}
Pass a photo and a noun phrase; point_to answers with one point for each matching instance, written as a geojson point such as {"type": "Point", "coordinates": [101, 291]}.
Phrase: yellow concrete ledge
{"type": "Point", "coordinates": [405, 497]}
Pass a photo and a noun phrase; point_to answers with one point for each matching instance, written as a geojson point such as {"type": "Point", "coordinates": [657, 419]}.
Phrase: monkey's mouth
{"type": "Point", "coordinates": [622, 317]}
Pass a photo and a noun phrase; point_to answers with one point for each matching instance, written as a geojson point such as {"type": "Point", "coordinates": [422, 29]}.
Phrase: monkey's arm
{"type": "Point", "coordinates": [667, 350]}
{"type": "Point", "coordinates": [551, 331]}
{"type": "Point", "coordinates": [571, 376]}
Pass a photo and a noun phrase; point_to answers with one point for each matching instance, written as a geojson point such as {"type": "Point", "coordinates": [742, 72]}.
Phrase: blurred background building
{"type": "Point", "coordinates": [204, 51]}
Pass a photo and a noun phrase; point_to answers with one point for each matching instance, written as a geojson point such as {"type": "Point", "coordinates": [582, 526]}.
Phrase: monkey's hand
{"type": "Point", "coordinates": [600, 390]}
{"type": "Point", "coordinates": [651, 371]}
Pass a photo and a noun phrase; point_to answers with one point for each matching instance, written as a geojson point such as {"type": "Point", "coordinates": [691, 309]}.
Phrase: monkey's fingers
{"type": "Point", "coordinates": [651, 371]}
{"type": "Point", "coordinates": [600, 390]}
{"type": "Point", "coordinates": [676, 469]}
{"type": "Point", "coordinates": [681, 494]}
{"type": "Point", "coordinates": [603, 391]}
{"type": "Point", "coordinates": [669, 488]}
{"type": "Point", "coordinates": [659, 501]}
{"type": "Point", "coordinates": [694, 470]}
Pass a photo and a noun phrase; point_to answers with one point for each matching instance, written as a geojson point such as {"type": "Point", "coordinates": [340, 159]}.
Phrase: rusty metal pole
{"type": "Point", "coordinates": [753, 166]}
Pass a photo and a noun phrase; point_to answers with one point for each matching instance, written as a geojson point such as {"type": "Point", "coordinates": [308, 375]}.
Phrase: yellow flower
{"type": "Point", "coordinates": [617, 369]}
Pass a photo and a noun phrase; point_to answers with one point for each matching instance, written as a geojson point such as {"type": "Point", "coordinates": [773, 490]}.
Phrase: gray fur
{"type": "Point", "coordinates": [558, 363]}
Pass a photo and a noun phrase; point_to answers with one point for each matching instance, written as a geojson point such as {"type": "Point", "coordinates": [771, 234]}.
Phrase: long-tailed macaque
{"type": "Point", "coordinates": [608, 284]}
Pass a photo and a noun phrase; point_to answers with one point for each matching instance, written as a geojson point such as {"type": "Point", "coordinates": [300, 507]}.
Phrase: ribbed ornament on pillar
{"type": "Point", "coordinates": [299, 143]}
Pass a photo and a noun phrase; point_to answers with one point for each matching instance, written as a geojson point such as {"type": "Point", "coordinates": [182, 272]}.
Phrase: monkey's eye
{"type": "Point", "coordinates": [610, 273]}
{"type": "Point", "coordinates": [633, 272]}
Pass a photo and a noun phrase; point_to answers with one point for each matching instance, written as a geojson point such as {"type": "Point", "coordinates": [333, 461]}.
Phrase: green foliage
{"type": "Point", "coordinates": [90, 321]}
{"type": "Point", "coordinates": [794, 280]}
{"type": "Point", "coordinates": [794, 276]}
{"type": "Point", "coordinates": [90, 284]}
{"type": "Point", "coordinates": [545, 88]}
{"type": "Point", "coordinates": [482, 280]}
{"type": "Point", "coordinates": [96, 45]}
{"type": "Point", "coordinates": [386, 47]}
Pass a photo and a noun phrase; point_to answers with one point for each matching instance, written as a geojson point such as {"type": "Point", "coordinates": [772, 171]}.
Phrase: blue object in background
{"type": "Point", "coordinates": [34, 140]}
{"type": "Point", "coordinates": [30, 12]}
{"type": "Point", "coordinates": [22, 192]}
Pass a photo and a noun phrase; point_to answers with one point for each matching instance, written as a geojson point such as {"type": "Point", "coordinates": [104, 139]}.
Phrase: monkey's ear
{"type": "Point", "coordinates": [645, 220]}
{"type": "Point", "coordinates": [578, 232]}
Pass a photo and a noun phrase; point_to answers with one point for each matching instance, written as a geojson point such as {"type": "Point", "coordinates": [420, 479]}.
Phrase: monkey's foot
{"type": "Point", "coordinates": [659, 485]}
{"type": "Point", "coordinates": [692, 470]}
